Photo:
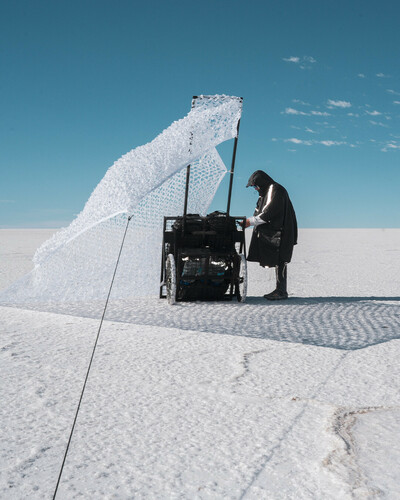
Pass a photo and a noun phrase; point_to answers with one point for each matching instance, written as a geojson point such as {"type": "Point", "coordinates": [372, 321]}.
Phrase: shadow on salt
{"type": "Point", "coordinates": [336, 322]}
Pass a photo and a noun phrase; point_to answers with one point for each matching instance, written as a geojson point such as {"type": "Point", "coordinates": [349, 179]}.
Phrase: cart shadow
{"type": "Point", "coordinates": [336, 322]}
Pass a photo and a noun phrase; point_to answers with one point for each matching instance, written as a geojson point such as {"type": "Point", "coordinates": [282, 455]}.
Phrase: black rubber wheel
{"type": "Point", "coordinates": [170, 279]}
{"type": "Point", "coordinates": [241, 283]}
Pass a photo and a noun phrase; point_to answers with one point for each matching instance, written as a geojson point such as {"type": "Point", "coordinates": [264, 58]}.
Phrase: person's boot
{"type": "Point", "coordinates": [280, 292]}
{"type": "Point", "coordinates": [276, 295]}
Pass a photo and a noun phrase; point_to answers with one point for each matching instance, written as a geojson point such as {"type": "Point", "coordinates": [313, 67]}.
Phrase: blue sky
{"type": "Point", "coordinates": [83, 82]}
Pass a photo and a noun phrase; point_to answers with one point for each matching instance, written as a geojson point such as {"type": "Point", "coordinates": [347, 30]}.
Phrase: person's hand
{"type": "Point", "coordinates": [247, 223]}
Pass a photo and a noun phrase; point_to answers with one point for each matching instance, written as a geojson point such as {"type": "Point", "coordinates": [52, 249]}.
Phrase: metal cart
{"type": "Point", "coordinates": [204, 258]}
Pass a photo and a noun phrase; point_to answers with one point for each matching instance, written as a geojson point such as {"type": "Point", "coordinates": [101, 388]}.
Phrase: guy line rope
{"type": "Point", "coordinates": [90, 363]}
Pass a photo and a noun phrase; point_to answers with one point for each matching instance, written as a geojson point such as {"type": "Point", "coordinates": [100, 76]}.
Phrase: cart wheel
{"type": "Point", "coordinates": [170, 279]}
{"type": "Point", "coordinates": [241, 284]}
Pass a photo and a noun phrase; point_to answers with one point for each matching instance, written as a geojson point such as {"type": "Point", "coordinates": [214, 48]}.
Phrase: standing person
{"type": "Point", "coordinates": [275, 230]}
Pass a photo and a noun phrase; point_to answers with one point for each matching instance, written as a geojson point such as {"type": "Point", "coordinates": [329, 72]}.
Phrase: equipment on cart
{"type": "Point", "coordinates": [203, 258]}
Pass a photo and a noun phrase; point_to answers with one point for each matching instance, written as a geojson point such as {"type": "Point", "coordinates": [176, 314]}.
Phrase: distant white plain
{"type": "Point", "coordinates": [290, 400]}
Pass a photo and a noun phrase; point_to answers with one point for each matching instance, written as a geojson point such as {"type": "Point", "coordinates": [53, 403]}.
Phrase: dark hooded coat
{"type": "Point", "coordinates": [272, 243]}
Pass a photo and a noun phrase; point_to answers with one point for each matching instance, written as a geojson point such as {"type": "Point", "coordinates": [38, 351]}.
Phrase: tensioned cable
{"type": "Point", "coordinates": [91, 359]}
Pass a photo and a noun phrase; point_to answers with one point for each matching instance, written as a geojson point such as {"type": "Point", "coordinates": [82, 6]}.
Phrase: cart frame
{"type": "Point", "coordinates": [184, 247]}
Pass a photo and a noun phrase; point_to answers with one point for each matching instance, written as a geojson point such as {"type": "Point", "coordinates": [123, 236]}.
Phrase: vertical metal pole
{"type": "Point", "coordinates": [188, 174]}
{"type": "Point", "coordinates": [186, 198]}
{"type": "Point", "coordinates": [232, 170]}
{"type": "Point", "coordinates": [186, 191]}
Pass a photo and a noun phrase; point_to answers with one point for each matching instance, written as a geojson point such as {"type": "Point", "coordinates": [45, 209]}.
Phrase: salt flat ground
{"type": "Point", "coordinates": [291, 400]}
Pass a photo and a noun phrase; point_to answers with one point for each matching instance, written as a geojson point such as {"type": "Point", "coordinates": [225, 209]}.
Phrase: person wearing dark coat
{"type": "Point", "coordinates": [275, 230]}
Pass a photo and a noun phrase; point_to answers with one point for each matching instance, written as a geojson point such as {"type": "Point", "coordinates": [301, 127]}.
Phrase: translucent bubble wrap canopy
{"type": "Point", "coordinates": [148, 182]}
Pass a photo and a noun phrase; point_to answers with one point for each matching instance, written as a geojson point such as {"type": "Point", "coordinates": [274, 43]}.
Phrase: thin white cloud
{"type": "Point", "coordinates": [382, 75]}
{"type": "Point", "coordinates": [390, 146]}
{"type": "Point", "coordinates": [328, 143]}
{"type": "Point", "coordinates": [294, 140]}
{"type": "Point", "coordinates": [292, 59]}
{"type": "Point", "coordinates": [7, 201]}
{"type": "Point", "coordinates": [326, 125]}
{"type": "Point", "coordinates": [361, 75]}
{"type": "Point", "coordinates": [302, 62]}
{"type": "Point", "coordinates": [331, 143]}
{"type": "Point", "coordinates": [292, 111]}
{"type": "Point", "coordinates": [339, 104]}
{"type": "Point", "coordinates": [380, 124]}
{"type": "Point", "coordinates": [320, 113]}
{"type": "Point", "coordinates": [373, 113]}
{"type": "Point", "coordinates": [311, 131]}
{"type": "Point", "coordinates": [299, 101]}
{"type": "Point", "coordinates": [396, 102]}
{"type": "Point", "coordinates": [391, 91]}
{"type": "Point", "coordinates": [353, 114]}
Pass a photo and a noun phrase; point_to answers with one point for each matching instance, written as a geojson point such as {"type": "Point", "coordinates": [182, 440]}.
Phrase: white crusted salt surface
{"type": "Point", "coordinates": [294, 400]}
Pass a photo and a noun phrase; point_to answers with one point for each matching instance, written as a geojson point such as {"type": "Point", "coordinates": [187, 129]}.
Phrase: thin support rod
{"type": "Point", "coordinates": [232, 170]}
{"type": "Point", "coordinates": [90, 363]}
{"type": "Point", "coordinates": [188, 174]}
{"type": "Point", "coordinates": [188, 171]}
{"type": "Point", "coordinates": [186, 191]}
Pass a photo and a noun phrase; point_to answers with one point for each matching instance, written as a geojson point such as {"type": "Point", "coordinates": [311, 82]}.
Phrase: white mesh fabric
{"type": "Point", "coordinates": [77, 263]}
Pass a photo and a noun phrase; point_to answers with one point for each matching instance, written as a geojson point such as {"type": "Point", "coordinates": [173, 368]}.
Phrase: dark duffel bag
{"type": "Point", "coordinates": [193, 234]}
{"type": "Point", "coordinates": [225, 230]}
{"type": "Point", "coordinates": [219, 222]}
{"type": "Point", "coordinates": [193, 222]}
